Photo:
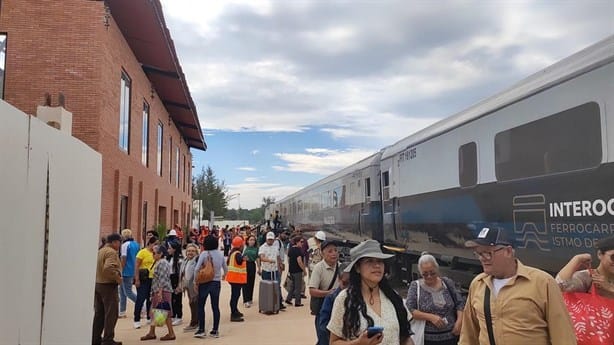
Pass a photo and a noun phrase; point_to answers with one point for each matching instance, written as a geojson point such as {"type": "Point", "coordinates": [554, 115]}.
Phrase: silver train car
{"type": "Point", "coordinates": [536, 160]}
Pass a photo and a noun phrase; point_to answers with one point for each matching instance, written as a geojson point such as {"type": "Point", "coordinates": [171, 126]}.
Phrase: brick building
{"type": "Point", "coordinates": [115, 64]}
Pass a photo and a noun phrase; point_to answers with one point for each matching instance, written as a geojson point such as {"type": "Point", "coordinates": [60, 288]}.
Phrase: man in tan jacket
{"type": "Point", "coordinates": [511, 303]}
{"type": "Point", "coordinates": [106, 299]}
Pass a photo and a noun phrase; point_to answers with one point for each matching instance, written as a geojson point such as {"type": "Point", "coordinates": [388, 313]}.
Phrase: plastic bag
{"type": "Point", "coordinates": [417, 326]}
{"type": "Point", "coordinates": [159, 317]}
{"type": "Point", "coordinates": [592, 317]}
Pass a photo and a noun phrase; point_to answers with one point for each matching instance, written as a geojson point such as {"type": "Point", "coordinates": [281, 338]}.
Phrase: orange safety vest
{"type": "Point", "coordinates": [236, 273]}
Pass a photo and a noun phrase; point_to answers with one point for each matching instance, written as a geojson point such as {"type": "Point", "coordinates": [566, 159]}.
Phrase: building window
{"type": "Point", "coordinates": [185, 169]}
{"type": "Point", "coordinates": [159, 147]}
{"type": "Point", "coordinates": [2, 63]}
{"type": "Point", "coordinates": [468, 165]}
{"type": "Point", "coordinates": [123, 213]}
{"type": "Point", "coordinates": [177, 166]}
{"type": "Point", "coordinates": [566, 141]}
{"type": "Point", "coordinates": [170, 160]}
{"type": "Point", "coordinates": [145, 136]}
{"type": "Point", "coordinates": [124, 112]}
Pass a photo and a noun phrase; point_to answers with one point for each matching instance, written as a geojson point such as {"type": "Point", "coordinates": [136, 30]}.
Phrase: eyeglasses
{"type": "Point", "coordinates": [429, 274]}
{"type": "Point", "coordinates": [487, 255]}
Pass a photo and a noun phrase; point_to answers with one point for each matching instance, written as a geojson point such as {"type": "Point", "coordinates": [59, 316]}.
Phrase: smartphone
{"type": "Point", "coordinates": [375, 330]}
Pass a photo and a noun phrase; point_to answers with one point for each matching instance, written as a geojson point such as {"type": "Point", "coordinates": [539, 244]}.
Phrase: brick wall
{"type": "Point", "coordinates": [65, 46]}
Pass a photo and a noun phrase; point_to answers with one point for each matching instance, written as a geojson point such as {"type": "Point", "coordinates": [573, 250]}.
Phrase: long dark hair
{"type": "Point", "coordinates": [354, 304]}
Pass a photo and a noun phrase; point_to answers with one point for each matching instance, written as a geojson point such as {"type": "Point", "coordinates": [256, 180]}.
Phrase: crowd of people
{"type": "Point", "coordinates": [352, 302]}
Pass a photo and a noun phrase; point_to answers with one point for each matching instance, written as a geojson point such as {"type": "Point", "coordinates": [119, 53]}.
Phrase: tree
{"type": "Point", "coordinates": [212, 192]}
{"type": "Point", "coordinates": [266, 201]}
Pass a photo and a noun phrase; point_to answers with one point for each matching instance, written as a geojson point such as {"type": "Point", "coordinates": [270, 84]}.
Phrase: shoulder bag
{"type": "Point", "coordinates": [206, 273]}
{"type": "Point", "coordinates": [417, 326]}
{"type": "Point", "coordinates": [592, 316]}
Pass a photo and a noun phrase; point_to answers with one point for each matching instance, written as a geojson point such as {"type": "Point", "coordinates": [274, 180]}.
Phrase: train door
{"type": "Point", "coordinates": [363, 218]}
{"type": "Point", "coordinates": [389, 207]}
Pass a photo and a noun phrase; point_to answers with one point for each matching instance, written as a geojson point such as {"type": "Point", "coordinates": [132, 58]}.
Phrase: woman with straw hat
{"type": "Point", "coordinates": [372, 302]}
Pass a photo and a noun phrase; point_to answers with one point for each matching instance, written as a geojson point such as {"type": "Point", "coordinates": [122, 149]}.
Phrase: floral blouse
{"type": "Point", "coordinates": [439, 302]}
{"type": "Point", "coordinates": [162, 277]}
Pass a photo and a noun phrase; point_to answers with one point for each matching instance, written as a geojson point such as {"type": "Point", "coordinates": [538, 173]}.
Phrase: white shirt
{"type": "Point", "coordinates": [497, 284]}
{"type": "Point", "coordinates": [270, 252]}
{"type": "Point", "coordinates": [388, 320]}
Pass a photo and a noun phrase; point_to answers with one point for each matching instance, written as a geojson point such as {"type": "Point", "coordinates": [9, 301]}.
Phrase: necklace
{"type": "Point", "coordinates": [371, 289]}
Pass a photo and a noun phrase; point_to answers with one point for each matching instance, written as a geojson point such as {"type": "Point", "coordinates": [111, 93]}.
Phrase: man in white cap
{"type": "Point", "coordinates": [270, 262]}
{"type": "Point", "coordinates": [315, 252]}
{"type": "Point", "coordinates": [512, 303]}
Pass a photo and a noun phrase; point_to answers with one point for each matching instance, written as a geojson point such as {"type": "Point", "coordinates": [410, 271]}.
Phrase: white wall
{"type": "Point", "coordinates": [32, 157]}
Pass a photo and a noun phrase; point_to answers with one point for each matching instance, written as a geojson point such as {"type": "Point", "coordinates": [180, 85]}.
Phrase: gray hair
{"type": "Point", "coordinates": [192, 245]}
{"type": "Point", "coordinates": [427, 258]}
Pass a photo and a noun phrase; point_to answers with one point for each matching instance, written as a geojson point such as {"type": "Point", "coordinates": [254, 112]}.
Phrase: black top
{"type": "Point", "coordinates": [293, 254]}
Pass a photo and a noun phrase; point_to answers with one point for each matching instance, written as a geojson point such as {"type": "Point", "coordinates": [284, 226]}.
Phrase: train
{"type": "Point", "coordinates": [536, 160]}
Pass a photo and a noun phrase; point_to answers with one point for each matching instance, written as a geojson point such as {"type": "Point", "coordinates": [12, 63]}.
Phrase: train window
{"type": "Point", "coordinates": [367, 189]}
{"type": "Point", "coordinates": [386, 185]}
{"type": "Point", "coordinates": [468, 165]}
{"type": "Point", "coordinates": [566, 141]}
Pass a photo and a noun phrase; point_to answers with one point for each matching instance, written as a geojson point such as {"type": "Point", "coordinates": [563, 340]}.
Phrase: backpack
{"type": "Point", "coordinates": [206, 272]}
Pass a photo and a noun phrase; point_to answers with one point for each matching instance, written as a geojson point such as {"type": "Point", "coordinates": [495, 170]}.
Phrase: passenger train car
{"type": "Point", "coordinates": [536, 160]}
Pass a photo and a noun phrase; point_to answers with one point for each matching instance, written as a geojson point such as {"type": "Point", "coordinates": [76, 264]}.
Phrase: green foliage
{"type": "Point", "coordinates": [212, 192]}
{"type": "Point", "coordinates": [161, 230]}
{"type": "Point", "coordinates": [254, 216]}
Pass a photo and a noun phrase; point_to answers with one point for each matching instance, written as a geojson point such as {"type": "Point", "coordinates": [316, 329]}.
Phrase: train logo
{"type": "Point", "coordinates": [530, 228]}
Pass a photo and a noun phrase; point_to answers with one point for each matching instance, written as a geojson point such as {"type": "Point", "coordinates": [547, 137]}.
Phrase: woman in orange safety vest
{"type": "Point", "coordinates": [236, 276]}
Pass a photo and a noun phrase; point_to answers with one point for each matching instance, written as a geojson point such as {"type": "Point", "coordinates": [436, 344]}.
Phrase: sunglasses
{"type": "Point", "coordinates": [429, 274]}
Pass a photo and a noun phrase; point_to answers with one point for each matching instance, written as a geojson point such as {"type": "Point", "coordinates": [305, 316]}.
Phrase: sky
{"type": "Point", "coordinates": [291, 91]}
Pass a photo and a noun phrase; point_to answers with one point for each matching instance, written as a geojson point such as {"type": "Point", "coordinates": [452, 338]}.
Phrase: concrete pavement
{"type": "Point", "coordinates": [293, 326]}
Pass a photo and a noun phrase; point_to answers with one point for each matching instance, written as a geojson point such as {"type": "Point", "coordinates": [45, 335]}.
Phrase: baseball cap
{"type": "Point", "coordinates": [270, 235]}
{"type": "Point", "coordinates": [489, 237]}
{"type": "Point", "coordinates": [325, 244]}
{"type": "Point", "coordinates": [172, 233]}
{"type": "Point", "coordinates": [321, 235]}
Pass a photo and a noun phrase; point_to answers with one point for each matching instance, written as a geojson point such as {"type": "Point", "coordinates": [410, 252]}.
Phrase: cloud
{"type": "Point", "coordinates": [251, 194]}
{"type": "Point", "coordinates": [252, 179]}
{"type": "Point", "coordinates": [273, 66]}
{"type": "Point", "coordinates": [319, 160]}
{"type": "Point", "coordinates": [246, 168]}
{"type": "Point", "coordinates": [255, 152]}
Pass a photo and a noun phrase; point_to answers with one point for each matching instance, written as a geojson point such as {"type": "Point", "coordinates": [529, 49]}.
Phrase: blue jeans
{"type": "Point", "coordinates": [125, 291]}
{"type": "Point", "coordinates": [205, 290]}
{"type": "Point", "coordinates": [268, 275]}
{"type": "Point", "coordinates": [142, 295]}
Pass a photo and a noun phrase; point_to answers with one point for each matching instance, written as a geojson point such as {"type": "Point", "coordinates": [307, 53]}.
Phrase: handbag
{"type": "Point", "coordinates": [417, 326]}
{"type": "Point", "coordinates": [206, 273]}
{"type": "Point", "coordinates": [592, 317]}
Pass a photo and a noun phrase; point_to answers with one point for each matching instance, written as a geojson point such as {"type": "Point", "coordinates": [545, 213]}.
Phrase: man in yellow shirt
{"type": "Point", "coordinates": [510, 303]}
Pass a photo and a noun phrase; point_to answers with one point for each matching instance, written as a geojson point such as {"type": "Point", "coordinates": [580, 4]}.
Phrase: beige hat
{"type": "Point", "coordinates": [366, 249]}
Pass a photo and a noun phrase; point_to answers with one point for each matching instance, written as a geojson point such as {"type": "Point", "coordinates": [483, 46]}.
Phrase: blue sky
{"type": "Point", "coordinates": [289, 92]}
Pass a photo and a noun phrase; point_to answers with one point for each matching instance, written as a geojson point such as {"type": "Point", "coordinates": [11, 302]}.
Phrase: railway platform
{"type": "Point", "coordinates": [294, 326]}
